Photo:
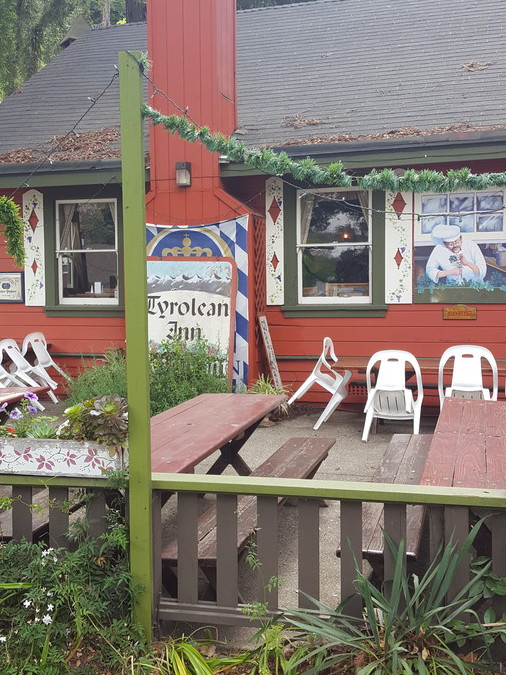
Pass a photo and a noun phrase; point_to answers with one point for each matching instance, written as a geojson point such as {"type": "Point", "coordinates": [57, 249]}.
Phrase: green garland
{"type": "Point", "coordinates": [279, 164]}
{"type": "Point", "coordinates": [13, 230]}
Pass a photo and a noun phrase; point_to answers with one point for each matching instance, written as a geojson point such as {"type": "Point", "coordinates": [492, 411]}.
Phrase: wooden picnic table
{"type": "Point", "coordinates": [14, 394]}
{"type": "Point", "coordinates": [185, 435]}
{"type": "Point", "coordinates": [468, 448]}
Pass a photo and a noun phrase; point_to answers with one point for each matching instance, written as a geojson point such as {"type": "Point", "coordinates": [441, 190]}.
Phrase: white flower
{"type": "Point", "coordinates": [50, 594]}
{"type": "Point", "coordinates": [3, 638]}
{"type": "Point", "coordinates": [27, 603]}
{"type": "Point", "coordinates": [47, 551]}
{"type": "Point", "coordinates": [55, 559]}
{"type": "Point", "coordinates": [50, 608]}
{"type": "Point", "coordinates": [36, 620]}
{"type": "Point", "coordinates": [47, 619]}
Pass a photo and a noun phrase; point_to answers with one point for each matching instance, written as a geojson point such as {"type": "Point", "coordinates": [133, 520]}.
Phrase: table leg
{"type": "Point", "coordinates": [229, 454]}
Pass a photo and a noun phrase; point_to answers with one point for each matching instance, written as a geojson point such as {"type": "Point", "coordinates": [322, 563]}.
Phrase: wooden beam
{"type": "Point", "coordinates": [136, 319]}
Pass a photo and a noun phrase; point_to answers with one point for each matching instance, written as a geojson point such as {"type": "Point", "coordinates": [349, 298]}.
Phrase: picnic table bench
{"type": "Point", "coordinates": [297, 458]}
{"type": "Point", "coordinates": [403, 463]}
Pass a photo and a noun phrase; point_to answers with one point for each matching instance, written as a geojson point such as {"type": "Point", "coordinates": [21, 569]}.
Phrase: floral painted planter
{"type": "Point", "coordinates": [56, 457]}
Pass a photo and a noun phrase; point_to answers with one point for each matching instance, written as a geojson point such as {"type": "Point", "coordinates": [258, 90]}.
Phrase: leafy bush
{"type": "Point", "coordinates": [104, 376]}
{"type": "Point", "coordinates": [103, 419]}
{"type": "Point", "coordinates": [56, 604]}
{"type": "Point", "coordinates": [180, 370]}
{"type": "Point", "coordinates": [410, 626]}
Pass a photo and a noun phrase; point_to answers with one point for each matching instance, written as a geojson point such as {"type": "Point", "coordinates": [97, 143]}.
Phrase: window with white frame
{"type": "Point", "coordinates": [479, 213]}
{"type": "Point", "coordinates": [87, 251]}
{"type": "Point", "coordinates": [334, 246]}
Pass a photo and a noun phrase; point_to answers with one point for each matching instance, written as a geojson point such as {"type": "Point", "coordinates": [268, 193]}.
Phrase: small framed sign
{"type": "Point", "coordinates": [11, 287]}
{"type": "Point", "coordinates": [459, 312]}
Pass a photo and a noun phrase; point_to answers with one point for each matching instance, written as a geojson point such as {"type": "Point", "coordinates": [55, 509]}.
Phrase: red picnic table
{"type": "Point", "coordinates": [14, 394]}
{"type": "Point", "coordinates": [185, 435]}
{"type": "Point", "coordinates": [468, 448]}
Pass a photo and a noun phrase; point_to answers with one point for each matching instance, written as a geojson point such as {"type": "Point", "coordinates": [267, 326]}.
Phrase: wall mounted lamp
{"type": "Point", "coordinates": [183, 174]}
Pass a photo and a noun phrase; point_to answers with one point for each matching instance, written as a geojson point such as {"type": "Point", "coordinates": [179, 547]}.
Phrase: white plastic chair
{"type": "Point", "coordinates": [8, 379]}
{"type": "Point", "coordinates": [327, 378]}
{"type": "Point", "coordinates": [22, 369]}
{"type": "Point", "coordinates": [37, 343]}
{"type": "Point", "coordinates": [390, 399]}
{"type": "Point", "coordinates": [467, 375]}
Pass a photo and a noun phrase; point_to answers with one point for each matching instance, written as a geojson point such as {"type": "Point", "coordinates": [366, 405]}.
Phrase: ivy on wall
{"type": "Point", "coordinates": [13, 230]}
{"type": "Point", "coordinates": [279, 164]}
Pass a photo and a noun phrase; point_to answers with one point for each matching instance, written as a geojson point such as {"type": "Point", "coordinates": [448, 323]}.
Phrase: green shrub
{"type": "Point", "coordinates": [56, 605]}
{"type": "Point", "coordinates": [180, 370]}
{"type": "Point", "coordinates": [410, 626]}
{"type": "Point", "coordinates": [100, 378]}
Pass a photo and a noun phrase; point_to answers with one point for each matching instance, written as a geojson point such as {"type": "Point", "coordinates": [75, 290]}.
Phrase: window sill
{"type": "Point", "coordinates": [84, 310]}
{"type": "Point", "coordinates": [293, 311]}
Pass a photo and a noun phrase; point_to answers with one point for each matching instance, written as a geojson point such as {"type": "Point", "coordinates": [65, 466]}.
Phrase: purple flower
{"type": "Point", "coordinates": [3, 406]}
{"type": "Point", "coordinates": [31, 397]}
{"type": "Point", "coordinates": [15, 414]}
{"type": "Point", "coordinates": [31, 409]}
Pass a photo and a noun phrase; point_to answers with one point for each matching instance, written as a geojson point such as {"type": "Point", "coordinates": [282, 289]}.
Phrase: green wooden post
{"type": "Point", "coordinates": [134, 229]}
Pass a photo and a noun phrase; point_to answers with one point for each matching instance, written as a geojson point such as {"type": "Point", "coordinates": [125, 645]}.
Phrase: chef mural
{"type": "Point", "coordinates": [460, 249]}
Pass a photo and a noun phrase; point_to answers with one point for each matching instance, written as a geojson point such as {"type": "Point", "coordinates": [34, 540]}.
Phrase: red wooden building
{"type": "Point", "coordinates": [313, 80]}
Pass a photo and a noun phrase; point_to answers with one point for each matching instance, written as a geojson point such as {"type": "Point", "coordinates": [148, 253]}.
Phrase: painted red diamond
{"type": "Point", "coordinates": [33, 220]}
{"type": "Point", "coordinates": [274, 210]}
{"type": "Point", "coordinates": [398, 204]}
{"type": "Point", "coordinates": [398, 257]}
{"type": "Point", "coordinates": [34, 267]}
{"type": "Point", "coordinates": [274, 261]}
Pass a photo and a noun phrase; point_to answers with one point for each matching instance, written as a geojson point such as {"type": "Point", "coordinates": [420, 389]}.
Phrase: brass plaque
{"type": "Point", "coordinates": [459, 312]}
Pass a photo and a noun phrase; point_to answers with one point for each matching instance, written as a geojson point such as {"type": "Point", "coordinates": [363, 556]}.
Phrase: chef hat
{"type": "Point", "coordinates": [441, 233]}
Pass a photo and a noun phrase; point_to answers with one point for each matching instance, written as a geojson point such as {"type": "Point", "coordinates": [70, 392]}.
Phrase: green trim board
{"type": "Point", "coordinates": [327, 489]}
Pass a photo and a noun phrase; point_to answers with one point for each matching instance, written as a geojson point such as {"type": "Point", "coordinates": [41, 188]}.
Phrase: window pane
{"type": "Point", "coordinates": [492, 223]}
{"type": "Point", "coordinates": [335, 272]}
{"type": "Point", "coordinates": [489, 202]}
{"type": "Point", "coordinates": [335, 217]}
{"type": "Point", "coordinates": [91, 274]}
{"type": "Point", "coordinates": [459, 203]}
{"type": "Point", "coordinates": [434, 204]}
{"type": "Point", "coordinates": [466, 223]}
{"type": "Point", "coordinates": [429, 222]}
{"type": "Point", "coordinates": [87, 225]}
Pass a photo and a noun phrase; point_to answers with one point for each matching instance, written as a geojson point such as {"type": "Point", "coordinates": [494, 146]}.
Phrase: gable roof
{"type": "Point", "coordinates": [340, 70]}
{"type": "Point", "coordinates": [323, 72]}
{"type": "Point", "coordinates": [50, 103]}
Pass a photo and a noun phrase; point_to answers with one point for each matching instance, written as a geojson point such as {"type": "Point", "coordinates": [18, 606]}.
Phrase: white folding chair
{"type": "Point", "coordinates": [22, 369]}
{"type": "Point", "coordinates": [467, 374]}
{"type": "Point", "coordinates": [37, 343]}
{"type": "Point", "coordinates": [390, 398]}
{"type": "Point", "coordinates": [8, 379]}
{"type": "Point", "coordinates": [327, 378]}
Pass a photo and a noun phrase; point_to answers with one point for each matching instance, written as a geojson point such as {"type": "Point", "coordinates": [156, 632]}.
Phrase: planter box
{"type": "Point", "coordinates": [56, 457]}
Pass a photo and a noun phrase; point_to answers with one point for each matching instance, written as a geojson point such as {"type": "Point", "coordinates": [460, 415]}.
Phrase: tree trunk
{"type": "Point", "coordinates": [106, 12]}
{"type": "Point", "coordinates": [135, 11]}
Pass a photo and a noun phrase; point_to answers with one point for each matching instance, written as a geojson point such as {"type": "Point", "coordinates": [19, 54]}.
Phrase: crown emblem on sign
{"type": "Point", "coordinates": [187, 249]}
